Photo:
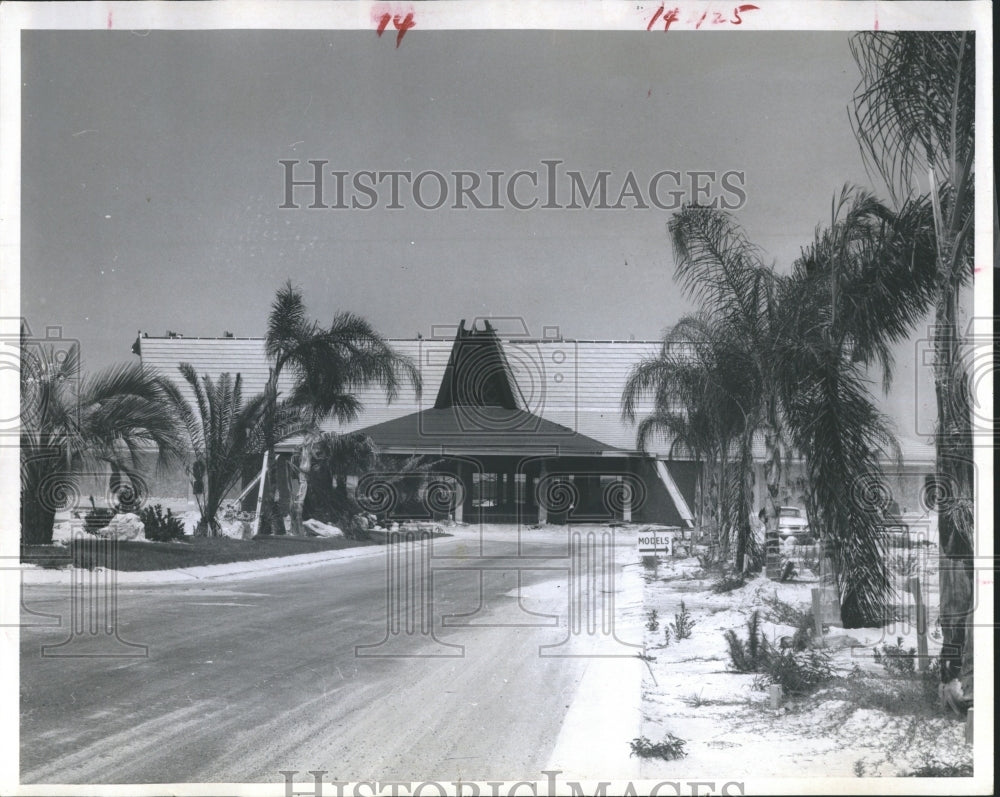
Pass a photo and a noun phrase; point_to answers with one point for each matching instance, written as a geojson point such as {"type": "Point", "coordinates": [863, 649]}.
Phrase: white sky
{"type": "Point", "coordinates": [151, 183]}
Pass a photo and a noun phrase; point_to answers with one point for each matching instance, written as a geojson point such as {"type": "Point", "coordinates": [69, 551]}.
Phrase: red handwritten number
{"type": "Point", "coordinates": [403, 26]}
{"type": "Point", "coordinates": [669, 18]}
{"type": "Point", "coordinates": [400, 24]}
{"type": "Point", "coordinates": [737, 19]}
{"type": "Point", "coordinates": [674, 14]}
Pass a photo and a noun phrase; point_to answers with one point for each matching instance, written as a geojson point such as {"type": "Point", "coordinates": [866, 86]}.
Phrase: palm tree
{"type": "Point", "coordinates": [327, 364]}
{"type": "Point", "coordinates": [914, 114]}
{"type": "Point", "coordinates": [718, 267]}
{"type": "Point", "coordinates": [697, 398]}
{"type": "Point", "coordinates": [335, 457]}
{"type": "Point", "coordinates": [223, 432]}
{"type": "Point", "coordinates": [855, 291]}
{"type": "Point", "coordinates": [71, 425]}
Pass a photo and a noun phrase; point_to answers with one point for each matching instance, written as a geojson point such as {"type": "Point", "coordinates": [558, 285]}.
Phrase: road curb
{"type": "Point", "coordinates": [33, 574]}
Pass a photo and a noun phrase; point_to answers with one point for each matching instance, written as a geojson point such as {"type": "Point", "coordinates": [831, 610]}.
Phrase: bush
{"type": "Point", "coordinates": [937, 769]}
{"type": "Point", "coordinates": [682, 624]}
{"type": "Point", "coordinates": [747, 655]}
{"type": "Point", "coordinates": [97, 518]}
{"type": "Point", "coordinates": [669, 749]}
{"type": "Point", "coordinates": [799, 673]}
{"type": "Point", "coordinates": [782, 613]}
{"type": "Point", "coordinates": [728, 583]}
{"type": "Point", "coordinates": [897, 661]}
{"type": "Point", "coordinates": [652, 620]}
{"type": "Point", "coordinates": [161, 527]}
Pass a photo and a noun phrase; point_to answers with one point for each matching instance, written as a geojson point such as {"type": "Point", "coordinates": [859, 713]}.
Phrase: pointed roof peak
{"type": "Point", "coordinates": [478, 374]}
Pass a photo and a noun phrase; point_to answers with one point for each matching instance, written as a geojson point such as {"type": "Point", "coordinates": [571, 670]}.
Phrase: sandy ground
{"type": "Point", "coordinates": [729, 724]}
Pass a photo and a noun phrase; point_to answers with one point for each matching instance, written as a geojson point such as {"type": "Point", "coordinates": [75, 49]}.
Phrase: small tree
{"type": "Point", "coordinates": [328, 365]}
{"type": "Point", "coordinates": [72, 424]}
{"type": "Point", "coordinates": [223, 431]}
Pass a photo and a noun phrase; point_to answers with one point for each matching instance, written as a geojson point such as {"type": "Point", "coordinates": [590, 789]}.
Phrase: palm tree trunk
{"type": "Point", "coordinates": [720, 509]}
{"type": "Point", "coordinates": [37, 514]}
{"type": "Point", "coordinates": [955, 474]}
{"type": "Point", "coordinates": [743, 502]}
{"type": "Point", "coordinates": [299, 498]}
{"type": "Point", "coordinates": [37, 520]}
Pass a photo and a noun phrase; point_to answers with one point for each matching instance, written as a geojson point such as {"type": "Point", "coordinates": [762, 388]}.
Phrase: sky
{"type": "Point", "coordinates": [151, 181]}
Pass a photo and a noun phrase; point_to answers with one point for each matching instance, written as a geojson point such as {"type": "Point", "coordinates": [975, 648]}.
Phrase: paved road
{"type": "Point", "coordinates": [248, 677]}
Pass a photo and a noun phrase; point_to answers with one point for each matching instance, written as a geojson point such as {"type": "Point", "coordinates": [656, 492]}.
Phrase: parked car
{"type": "Point", "coordinates": [792, 523]}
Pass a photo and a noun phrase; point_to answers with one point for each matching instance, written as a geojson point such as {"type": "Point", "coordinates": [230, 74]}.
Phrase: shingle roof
{"type": "Point", "coordinates": [574, 384]}
{"type": "Point", "coordinates": [481, 430]}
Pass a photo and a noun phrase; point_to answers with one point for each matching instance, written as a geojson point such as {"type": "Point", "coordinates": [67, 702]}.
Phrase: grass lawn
{"type": "Point", "coordinates": [190, 552]}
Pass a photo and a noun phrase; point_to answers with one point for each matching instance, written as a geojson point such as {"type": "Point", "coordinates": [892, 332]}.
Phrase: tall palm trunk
{"type": "Point", "coordinates": [299, 498]}
{"type": "Point", "coordinates": [269, 519]}
{"type": "Point", "coordinates": [955, 469]}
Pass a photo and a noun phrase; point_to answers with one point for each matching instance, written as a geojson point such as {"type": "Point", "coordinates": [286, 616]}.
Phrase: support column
{"type": "Point", "coordinates": [627, 502]}
{"type": "Point", "coordinates": [543, 515]}
{"type": "Point", "coordinates": [459, 470]}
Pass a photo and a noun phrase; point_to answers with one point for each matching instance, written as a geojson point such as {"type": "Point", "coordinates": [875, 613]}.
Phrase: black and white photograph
{"type": "Point", "coordinates": [477, 398]}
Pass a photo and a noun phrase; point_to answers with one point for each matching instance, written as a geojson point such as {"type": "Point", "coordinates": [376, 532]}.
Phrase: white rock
{"type": "Point", "coordinates": [235, 529]}
{"type": "Point", "coordinates": [317, 528]}
{"type": "Point", "coordinates": [62, 532]}
{"type": "Point", "coordinates": [124, 527]}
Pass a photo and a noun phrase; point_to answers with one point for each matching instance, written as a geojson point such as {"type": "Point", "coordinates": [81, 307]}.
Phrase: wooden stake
{"type": "Point", "coordinates": [260, 495]}
{"type": "Point", "coordinates": [969, 724]}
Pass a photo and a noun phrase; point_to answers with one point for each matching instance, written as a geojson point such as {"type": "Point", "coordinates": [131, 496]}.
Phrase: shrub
{"type": "Point", "coordinates": [669, 749]}
{"type": "Point", "coordinates": [938, 769]}
{"type": "Point", "coordinates": [682, 624]}
{"type": "Point", "coordinates": [652, 620]}
{"type": "Point", "coordinates": [783, 613]}
{"type": "Point", "coordinates": [747, 655]}
{"type": "Point", "coordinates": [694, 700]}
{"type": "Point", "coordinates": [97, 518]}
{"type": "Point", "coordinates": [161, 527]}
{"type": "Point", "coordinates": [897, 661]}
{"type": "Point", "coordinates": [728, 583]}
{"type": "Point", "coordinates": [799, 673]}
